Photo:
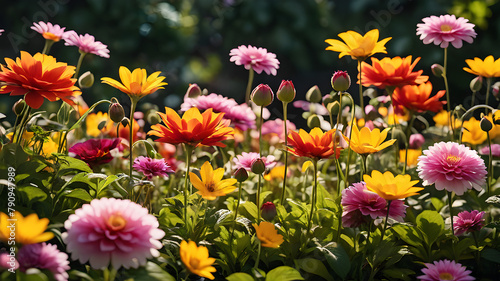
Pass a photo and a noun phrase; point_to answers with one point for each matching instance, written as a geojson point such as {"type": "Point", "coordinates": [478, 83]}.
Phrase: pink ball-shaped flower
{"type": "Point", "coordinates": [495, 150]}
{"type": "Point", "coordinates": [446, 29]}
{"type": "Point", "coordinates": [359, 205]}
{"type": "Point", "coordinates": [453, 167]}
{"type": "Point", "coordinates": [110, 230]}
{"type": "Point", "coordinates": [468, 222]}
{"type": "Point", "coordinates": [152, 167]}
{"type": "Point", "coordinates": [256, 58]}
{"type": "Point", "coordinates": [44, 256]}
{"type": "Point", "coordinates": [445, 270]}
{"type": "Point", "coordinates": [246, 159]}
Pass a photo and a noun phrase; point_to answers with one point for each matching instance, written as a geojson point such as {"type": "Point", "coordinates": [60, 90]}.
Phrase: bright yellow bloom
{"type": "Point", "coordinates": [137, 83]}
{"type": "Point", "coordinates": [268, 235]}
{"type": "Point", "coordinates": [92, 122]}
{"type": "Point", "coordinates": [472, 132]}
{"type": "Point", "coordinates": [277, 172]}
{"type": "Point", "coordinates": [211, 184]}
{"type": "Point", "coordinates": [365, 141]}
{"type": "Point", "coordinates": [357, 46]}
{"type": "Point", "coordinates": [389, 187]}
{"type": "Point", "coordinates": [28, 230]}
{"type": "Point", "coordinates": [487, 68]}
{"type": "Point", "coordinates": [197, 260]}
{"type": "Point", "coordinates": [413, 155]}
{"type": "Point", "coordinates": [442, 119]}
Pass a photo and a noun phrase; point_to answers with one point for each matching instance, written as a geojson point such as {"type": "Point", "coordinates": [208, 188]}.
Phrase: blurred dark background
{"type": "Point", "coordinates": [189, 41]}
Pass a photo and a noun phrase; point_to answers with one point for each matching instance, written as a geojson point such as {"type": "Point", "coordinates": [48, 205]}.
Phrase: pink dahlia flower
{"type": "Point", "coordinates": [86, 44]}
{"type": "Point", "coordinates": [468, 222]}
{"type": "Point", "coordinates": [256, 58]}
{"type": "Point", "coordinates": [110, 230]}
{"type": "Point", "coordinates": [49, 31]}
{"type": "Point", "coordinates": [495, 150]}
{"type": "Point", "coordinates": [445, 270]}
{"type": "Point", "coordinates": [359, 205]}
{"type": "Point", "coordinates": [152, 167]}
{"type": "Point", "coordinates": [44, 256]}
{"type": "Point", "coordinates": [245, 160]}
{"type": "Point", "coordinates": [276, 127]}
{"type": "Point", "coordinates": [446, 29]}
{"type": "Point", "coordinates": [453, 167]}
{"type": "Point", "coordinates": [95, 152]}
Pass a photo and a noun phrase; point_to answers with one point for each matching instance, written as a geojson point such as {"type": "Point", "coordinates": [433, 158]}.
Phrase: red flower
{"type": "Point", "coordinates": [95, 151]}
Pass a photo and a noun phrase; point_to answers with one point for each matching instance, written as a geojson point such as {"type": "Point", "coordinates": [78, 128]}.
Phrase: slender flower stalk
{"type": "Point", "coordinates": [385, 222]}
{"type": "Point", "coordinates": [450, 203]}
{"type": "Point", "coordinates": [249, 85]}
{"type": "Point", "coordinates": [189, 151]}
{"type": "Point", "coordinates": [283, 191]}
{"type": "Point", "coordinates": [361, 102]}
{"type": "Point", "coordinates": [79, 64]}
{"type": "Point", "coordinates": [313, 194]}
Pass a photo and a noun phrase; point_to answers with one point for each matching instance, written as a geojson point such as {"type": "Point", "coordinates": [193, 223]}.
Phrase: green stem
{"type": "Point", "coordinates": [386, 219]}
{"type": "Point", "coordinates": [473, 98]}
{"type": "Point", "coordinates": [258, 198]}
{"type": "Point", "coordinates": [261, 119]}
{"type": "Point", "coordinates": [79, 64]}
{"type": "Point", "coordinates": [19, 130]}
{"type": "Point", "coordinates": [313, 195]}
{"type": "Point", "coordinates": [349, 143]}
{"type": "Point", "coordinates": [363, 162]}
{"type": "Point", "coordinates": [450, 202]}
{"type": "Point", "coordinates": [133, 104]}
{"type": "Point", "coordinates": [490, 164]}
{"type": "Point", "coordinates": [361, 101]}
{"type": "Point", "coordinates": [445, 78]}
{"type": "Point", "coordinates": [48, 45]}
{"type": "Point", "coordinates": [258, 256]}
{"type": "Point", "coordinates": [488, 86]}
{"type": "Point", "coordinates": [407, 144]}
{"type": "Point", "coordinates": [189, 151]}
{"type": "Point", "coordinates": [235, 217]}
{"type": "Point", "coordinates": [249, 85]}
{"type": "Point", "coordinates": [283, 191]}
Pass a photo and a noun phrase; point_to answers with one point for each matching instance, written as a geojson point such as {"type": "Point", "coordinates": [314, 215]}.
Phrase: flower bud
{"type": "Point", "coordinates": [416, 141]}
{"type": "Point", "coordinates": [116, 112]}
{"type": "Point", "coordinates": [327, 99]}
{"type": "Point", "coordinates": [153, 118]}
{"type": "Point", "coordinates": [485, 124]}
{"type": "Point", "coordinates": [241, 175]}
{"type": "Point", "coordinates": [313, 121]}
{"type": "Point", "coordinates": [314, 94]}
{"type": "Point", "coordinates": [495, 89]}
{"type": "Point", "coordinates": [258, 166]}
{"type": "Point", "coordinates": [18, 107]}
{"type": "Point", "coordinates": [262, 95]}
{"type": "Point", "coordinates": [341, 81]}
{"type": "Point", "coordinates": [476, 84]}
{"type": "Point", "coordinates": [86, 80]}
{"type": "Point", "coordinates": [125, 121]}
{"type": "Point", "coordinates": [286, 91]}
{"type": "Point", "coordinates": [334, 108]}
{"type": "Point", "coordinates": [437, 70]}
{"type": "Point", "coordinates": [268, 211]}
{"type": "Point", "coordinates": [193, 91]}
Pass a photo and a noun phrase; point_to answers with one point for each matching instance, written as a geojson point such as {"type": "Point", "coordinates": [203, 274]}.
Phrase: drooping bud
{"type": "Point", "coordinates": [314, 94]}
{"type": "Point", "coordinates": [241, 175]}
{"type": "Point", "coordinates": [485, 124]}
{"type": "Point", "coordinates": [313, 121]}
{"type": "Point", "coordinates": [258, 166]}
{"type": "Point", "coordinates": [116, 112]}
{"type": "Point", "coordinates": [193, 91]}
{"type": "Point", "coordinates": [476, 84]}
{"type": "Point", "coordinates": [125, 121]}
{"type": "Point", "coordinates": [153, 118]}
{"type": "Point", "coordinates": [86, 80]}
{"type": "Point", "coordinates": [18, 107]}
{"type": "Point", "coordinates": [437, 70]}
{"type": "Point", "coordinates": [262, 95]}
{"type": "Point", "coordinates": [416, 141]}
{"type": "Point", "coordinates": [268, 211]}
{"type": "Point", "coordinates": [341, 81]}
{"type": "Point", "coordinates": [286, 92]}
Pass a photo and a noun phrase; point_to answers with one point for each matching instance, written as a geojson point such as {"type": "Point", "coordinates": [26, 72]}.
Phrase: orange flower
{"type": "Point", "coordinates": [416, 98]}
{"type": "Point", "coordinates": [136, 84]}
{"type": "Point", "coordinates": [391, 72]}
{"type": "Point", "coordinates": [124, 131]}
{"type": "Point", "coordinates": [195, 128]}
{"type": "Point", "coordinates": [365, 141]}
{"type": "Point", "coordinates": [316, 144]}
{"type": "Point", "coordinates": [38, 77]}
{"type": "Point", "coordinates": [268, 235]}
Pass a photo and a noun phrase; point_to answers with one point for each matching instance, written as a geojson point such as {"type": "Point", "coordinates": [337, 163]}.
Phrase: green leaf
{"type": "Point", "coordinates": [491, 255]}
{"type": "Point", "coordinates": [33, 193]}
{"type": "Point", "coordinates": [283, 273]}
{"type": "Point", "coordinates": [70, 164]}
{"type": "Point", "coordinates": [240, 276]}
{"type": "Point", "coordinates": [12, 155]}
{"type": "Point", "coordinates": [77, 124]}
{"type": "Point", "coordinates": [104, 183]}
{"type": "Point", "coordinates": [64, 113]}
{"type": "Point", "coordinates": [79, 194]}
{"type": "Point", "coordinates": [398, 273]}
{"type": "Point", "coordinates": [431, 224]}
{"type": "Point", "coordinates": [150, 272]}
{"type": "Point", "coordinates": [314, 266]}
{"type": "Point", "coordinates": [169, 219]}
{"type": "Point", "coordinates": [32, 274]}
{"type": "Point", "coordinates": [248, 209]}
{"type": "Point", "coordinates": [337, 258]}
{"type": "Point", "coordinates": [437, 203]}
{"type": "Point", "coordinates": [408, 234]}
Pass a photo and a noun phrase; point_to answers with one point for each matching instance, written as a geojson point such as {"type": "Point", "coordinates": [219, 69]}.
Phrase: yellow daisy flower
{"type": "Point", "coordinates": [27, 230]}
{"type": "Point", "coordinates": [365, 141]}
{"type": "Point", "coordinates": [357, 46]}
{"type": "Point", "coordinates": [211, 185]}
{"type": "Point", "coordinates": [487, 68]}
{"type": "Point", "coordinates": [197, 260]}
{"type": "Point", "coordinates": [389, 187]}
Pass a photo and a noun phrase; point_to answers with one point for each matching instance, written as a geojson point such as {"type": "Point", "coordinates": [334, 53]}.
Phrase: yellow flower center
{"type": "Point", "coordinates": [116, 222]}
{"type": "Point", "coordinates": [452, 159]}
{"type": "Point", "coordinates": [446, 27]}
{"type": "Point", "coordinates": [445, 276]}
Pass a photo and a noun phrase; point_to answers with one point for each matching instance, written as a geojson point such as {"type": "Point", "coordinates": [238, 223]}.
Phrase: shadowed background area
{"type": "Point", "coordinates": [189, 41]}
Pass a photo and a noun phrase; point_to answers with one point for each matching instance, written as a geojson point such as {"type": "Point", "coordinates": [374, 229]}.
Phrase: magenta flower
{"type": "Point", "coordinates": [245, 160]}
{"type": "Point", "coordinates": [446, 29]}
{"type": "Point", "coordinates": [86, 44]}
{"type": "Point", "coordinates": [495, 150]}
{"type": "Point", "coordinates": [276, 127]}
{"type": "Point", "coordinates": [152, 167]}
{"type": "Point", "coordinates": [453, 167]}
{"type": "Point", "coordinates": [256, 58]}
{"type": "Point", "coordinates": [49, 31]}
{"type": "Point", "coordinates": [7, 261]}
{"type": "Point", "coordinates": [468, 222]}
{"type": "Point", "coordinates": [241, 115]}
{"type": "Point", "coordinates": [44, 256]}
{"type": "Point", "coordinates": [110, 230]}
{"type": "Point", "coordinates": [360, 205]}
{"type": "Point", "coordinates": [445, 270]}
{"type": "Point", "coordinates": [95, 152]}
{"type": "Point", "coordinates": [416, 141]}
